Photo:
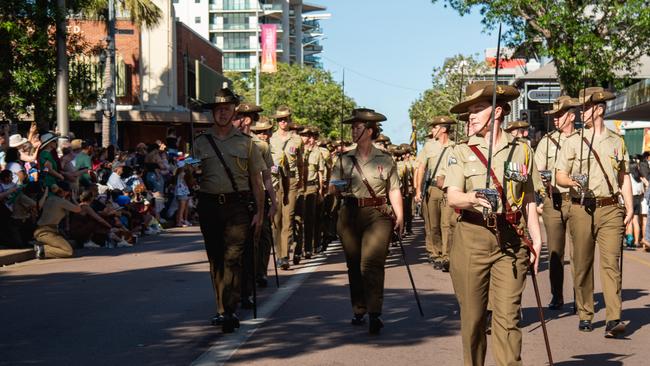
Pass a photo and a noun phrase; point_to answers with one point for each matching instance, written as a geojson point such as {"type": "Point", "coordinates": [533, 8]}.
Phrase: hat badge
{"type": "Point", "coordinates": [500, 89]}
{"type": "Point", "coordinates": [600, 95]}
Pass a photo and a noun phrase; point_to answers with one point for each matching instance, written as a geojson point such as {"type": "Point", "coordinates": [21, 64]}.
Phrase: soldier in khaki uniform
{"type": "Point", "coordinates": [596, 218]}
{"type": "Point", "coordinates": [490, 256]}
{"type": "Point", "coordinates": [231, 166]}
{"type": "Point", "coordinates": [557, 201]}
{"type": "Point", "coordinates": [51, 243]}
{"type": "Point", "coordinates": [405, 172]}
{"type": "Point", "coordinates": [287, 152]}
{"type": "Point", "coordinates": [315, 170]}
{"type": "Point", "coordinates": [247, 115]}
{"type": "Point", "coordinates": [324, 218]}
{"type": "Point", "coordinates": [367, 180]}
{"type": "Point", "coordinates": [433, 160]}
{"type": "Point", "coordinates": [421, 177]}
{"type": "Point", "coordinates": [518, 129]}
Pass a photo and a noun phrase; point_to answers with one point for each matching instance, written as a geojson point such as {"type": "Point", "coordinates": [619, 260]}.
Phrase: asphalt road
{"type": "Point", "coordinates": [151, 304]}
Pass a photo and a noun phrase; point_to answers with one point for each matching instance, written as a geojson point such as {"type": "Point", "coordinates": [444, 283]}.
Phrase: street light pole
{"type": "Point", "coordinates": [257, 55]}
{"type": "Point", "coordinates": [62, 72]}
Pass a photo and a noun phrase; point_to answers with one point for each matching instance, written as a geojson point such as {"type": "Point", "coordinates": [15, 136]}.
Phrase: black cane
{"type": "Point", "coordinates": [621, 265]}
{"type": "Point", "coordinates": [541, 315]}
{"type": "Point", "coordinates": [275, 264]}
{"type": "Point", "coordinates": [408, 269]}
{"type": "Point", "coordinates": [254, 258]}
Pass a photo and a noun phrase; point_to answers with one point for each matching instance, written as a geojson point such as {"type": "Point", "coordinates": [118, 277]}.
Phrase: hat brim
{"type": "Point", "coordinates": [463, 107]}
{"type": "Point", "coordinates": [281, 115]}
{"type": "Point", "coordinates": [21, 143]}
{"type": "Point", "coordinates": [214, 104]}
{"type": "Point", "coordinates": [51, 139]}
{"type": "Point", "coordinates": [258, 129]}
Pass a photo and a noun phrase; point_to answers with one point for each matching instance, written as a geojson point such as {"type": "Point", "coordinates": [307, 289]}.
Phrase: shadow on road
{"type": "Point", "coordinates": [594, 359]}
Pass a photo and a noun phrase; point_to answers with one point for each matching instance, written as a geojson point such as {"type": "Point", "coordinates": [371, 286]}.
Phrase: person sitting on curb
{"type": "Point", "coordinates": [51, 243]}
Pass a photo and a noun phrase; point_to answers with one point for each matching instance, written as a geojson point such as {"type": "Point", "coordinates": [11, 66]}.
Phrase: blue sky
{"type": "Point", "coordinates": [389, 49]}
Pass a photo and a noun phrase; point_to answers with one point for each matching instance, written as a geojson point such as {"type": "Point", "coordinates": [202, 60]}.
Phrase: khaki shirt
{"type": "Point", "coordinates": [239, 153]}
{"type": "Point", "coordinates": [54, 210]}
{"type": "Point", "coordinates": [405, 175]}
{"type": "Point", "coordinates": [423, 155]}
{"type": "Point", "coordinates": [546, 156]}
{"type": "Point", "coordinates": [434, 154]}
{"type": "Point", "coordinates": [265, 151]}
{"type": "Point", "coordinates": [466, 172]}
{"type": "Point", "coordinates": [327, 161]}
{"type": "Point", "coordinates": [442, 169]}
{"type": "Point", "coordinates": [610, 147]}
{"type": "Point", "coordinates": [288, 156]}
{"type": "Point", "coordinates": [23, 207]}
{"type": "Point", "coordinates": [379, 170]}
{"type": "Point", "coordinates": [315, 164]}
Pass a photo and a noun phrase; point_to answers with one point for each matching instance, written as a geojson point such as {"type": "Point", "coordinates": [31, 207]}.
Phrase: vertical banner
{"type": "Point", "coordinates": [269, 44]}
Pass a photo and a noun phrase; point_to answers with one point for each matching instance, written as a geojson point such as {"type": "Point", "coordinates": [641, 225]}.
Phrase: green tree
{"type": "Point", "coordinates": [589, 41]}
{"type": "Point", "coordinates": [28, 60]}
{"type": "Point", "coordinates": [448, 85]}
{"type": "Point", "coordinates": [312, 94]}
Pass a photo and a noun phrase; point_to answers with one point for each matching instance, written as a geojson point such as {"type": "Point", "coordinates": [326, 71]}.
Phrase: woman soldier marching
{"type": "Point", "coordinates": [491, 253]}
{"type": "Point", "coordinates": [367, 180]}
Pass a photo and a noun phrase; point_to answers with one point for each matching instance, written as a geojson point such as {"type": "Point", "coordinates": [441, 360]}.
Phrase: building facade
{"type": "Point", "coordinates": [233, 25]}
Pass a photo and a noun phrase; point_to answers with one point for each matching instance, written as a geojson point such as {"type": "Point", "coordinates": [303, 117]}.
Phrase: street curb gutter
{"type": "Point", "coordinates": [11, 256]}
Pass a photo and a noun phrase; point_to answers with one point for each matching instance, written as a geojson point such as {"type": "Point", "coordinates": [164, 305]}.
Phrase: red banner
{"type": "Point", "coordinates": [269, 44]}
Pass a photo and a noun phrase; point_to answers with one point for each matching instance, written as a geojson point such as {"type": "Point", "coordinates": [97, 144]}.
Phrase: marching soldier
{"type": "Point", "coordinates": [327, 199]}
{"type": "Point", "coordinates": [315, 168]}
{"type": "Point", "coordinates": [287, 152]}
{"type": "Point", "coordinates": [490, 255]}
{"type": "Point", "coordinates": [247, 114]}
{"type": "Point", "coordinates": [409, 187]}
{"type": "Point", "coordinates": [367, 180]}
{"type": "Point", "coordinates": [422, 180]}
{"type": "Point", "coordinates": [231, 167]}
{"type": "Point", "coordinates": [518, 129]}
{"type": "Point", "coordinates": [594, 165]}
{"type": "Point", "coordinates": [432, 193]}
{"type": "Point", "coordinates": [557, 201]}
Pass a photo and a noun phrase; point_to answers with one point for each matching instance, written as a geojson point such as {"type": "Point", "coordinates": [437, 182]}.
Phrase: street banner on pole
{"type": "Point", "coordinates": [269, 44]}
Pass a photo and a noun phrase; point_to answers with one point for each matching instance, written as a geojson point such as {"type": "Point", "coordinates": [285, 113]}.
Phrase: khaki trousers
{"type": "Point", "coordinates": [448, 218]}
{"type": "Point", "coordinates": [225, 228]}
{"type": "Point", "coordinates": [434, 211]}
{"type": "Point", "coordinates": [54, 244]}
{"type": "Point", "coordinates": [602, 227]}
{"type": "Point", "coordinates": [284, 218]}
{"type": "Point", "coordinates": [555, 216]}
{"type": "Point", "coordinates": [482, 268]}
{"type": "Point", "coordinates": [311, 219]}
{"type": "Point", "coordinates": [365, 234]}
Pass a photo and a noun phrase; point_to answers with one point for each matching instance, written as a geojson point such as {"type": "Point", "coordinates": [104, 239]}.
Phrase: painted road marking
{"type": "Point", "coordinates": [225, 347]}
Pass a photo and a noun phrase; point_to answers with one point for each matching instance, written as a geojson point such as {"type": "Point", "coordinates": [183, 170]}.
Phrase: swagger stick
{"type": "Point", "coordinates": [408, 269]}
{"type": "Point", "coordinates": [541, 315]}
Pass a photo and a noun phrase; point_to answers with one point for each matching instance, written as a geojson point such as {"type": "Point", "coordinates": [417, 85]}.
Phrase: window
{"type": "Point", "coordinates": [197, 1]}
{"type": "Point", "coordinates": [197, 20]}
{"type": "Point", "coordinates": [236, 4]}
{"type": "Point", "coordinates": [237, 41]}
{"type": "Point", "coordinates": [237, 61]}
{"type": "Point", "coordinates": [235, 21]}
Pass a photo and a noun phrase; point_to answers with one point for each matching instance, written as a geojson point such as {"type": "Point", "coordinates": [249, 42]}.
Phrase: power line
{"type": "Point", "coordinates": [387, 83]}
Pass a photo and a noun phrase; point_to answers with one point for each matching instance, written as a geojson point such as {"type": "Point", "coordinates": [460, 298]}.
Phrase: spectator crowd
{"type": "Point", "coordinates": [58, 194]}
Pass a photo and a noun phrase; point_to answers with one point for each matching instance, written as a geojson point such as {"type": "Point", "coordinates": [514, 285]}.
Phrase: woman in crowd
{"type": "Point", "coordinates": [15, 166]}
{"type": "Point", "coordinates": [48, 160]}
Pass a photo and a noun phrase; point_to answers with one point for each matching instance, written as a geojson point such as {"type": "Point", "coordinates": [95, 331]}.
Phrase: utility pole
{"type": "Point", "coordinates": [109, 122]}
{"type": "Point", "coordinates": [62, 74]}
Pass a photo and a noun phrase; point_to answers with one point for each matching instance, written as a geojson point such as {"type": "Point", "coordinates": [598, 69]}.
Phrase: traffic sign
{"type": "Point", "coordinates": [544, 94]}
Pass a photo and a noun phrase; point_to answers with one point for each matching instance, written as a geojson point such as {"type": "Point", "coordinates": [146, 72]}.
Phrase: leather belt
{"type": "Point", "coordinates": [501, 220]}
{"type": "Point", "coordinates": [597, 202]}
{"type": "Point", "coordinates": [365, 202]}
{"type": "Point", "coordinates": [566, 196]}
{"type": "Point", "coordinates": [226, 198]}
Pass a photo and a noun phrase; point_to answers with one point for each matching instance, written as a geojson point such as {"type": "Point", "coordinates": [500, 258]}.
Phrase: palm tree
{"type": "Point", "coordinates": [143, 13]}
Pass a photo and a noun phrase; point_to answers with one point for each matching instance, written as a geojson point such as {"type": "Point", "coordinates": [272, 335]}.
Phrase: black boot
{"type": "Point", "coordinates": [230, 322]}
{"type": "Point", "coordinates": [375, 324]}
{"type": "Point", "coordinates": [217, 320]}
{"type": "Point", "coordinates": [358, 319]}
{"type": "Point", "coordinates": [614, 328]}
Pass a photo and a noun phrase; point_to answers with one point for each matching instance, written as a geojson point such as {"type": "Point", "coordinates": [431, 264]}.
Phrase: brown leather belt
{"type": "Point", "coordinates": [365, 202]}
{"type": "Point", "coordinates": [500, 220]}
{"type": "Point", "coordinates": [226, 198]}
{"type": "Point", "coordinates": [597, 202]}
{"type": "Point", "coordinates": [563, 196]}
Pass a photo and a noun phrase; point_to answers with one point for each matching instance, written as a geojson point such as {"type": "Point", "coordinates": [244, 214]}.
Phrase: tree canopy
{"type": "Point", "coordinates": [589, 41]}
{"type": "Point", "coordinates": [312, 94]}
{"type": "Point", "coordinates": [448, 84]}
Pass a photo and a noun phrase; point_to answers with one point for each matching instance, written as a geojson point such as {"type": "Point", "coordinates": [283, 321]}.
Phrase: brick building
{"type": "Point", "coordinates": [156, 70]}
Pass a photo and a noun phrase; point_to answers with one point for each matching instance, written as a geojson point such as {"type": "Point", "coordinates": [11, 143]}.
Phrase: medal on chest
{"type": "Point", "coordinates": [517, 172]}
{"type": "Point", "coordinates": [380, 170]}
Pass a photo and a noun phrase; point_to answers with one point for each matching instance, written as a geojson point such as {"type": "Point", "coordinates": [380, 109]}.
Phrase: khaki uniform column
{"type": "Point", "coordinates": [315, 167]}
{"type": "Point", "coordinates": [448, 215]}
{"type": "Point", "coordinates": [286, 151]}
{"type": "Point", "coordinates": [421, 159]}
{"type": "Point", "coordinates": [599, 222]}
